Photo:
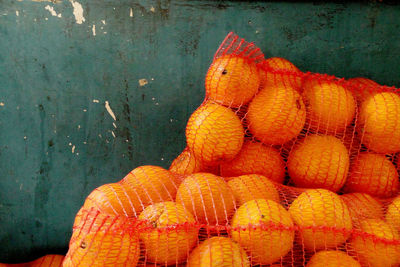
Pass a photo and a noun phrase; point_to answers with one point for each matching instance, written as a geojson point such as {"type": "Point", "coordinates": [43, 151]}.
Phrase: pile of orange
{"type": "Point", "coordinates": [264, 129]}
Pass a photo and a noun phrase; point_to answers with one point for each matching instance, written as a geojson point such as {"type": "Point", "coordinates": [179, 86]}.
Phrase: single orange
{"type": "Point", "coordinates": [330, 107]}
{"type": "Point", "coordinates": [232, 81]}
{"type": "Point", "coordinates": [323, 219]}
{"type": "Point", "coordinates": [168, 241]}
{"type": "Point", "coordinates": [276, 115]}
{"type": "Point", "coordinates": [376, 245]}
{"type": "Point", "coordinates": [290, 76]}
{"type": "Point", "coordinates": [150, 184]}
{"type": "Point", "coordinates": [103, 240]}
{"type": "Point", "coordinates": [363, 206]}
{"type": "Point", "coordinates": [214, 134]}
{"type": "Point", "coordinates": [186, 164]}
{"type": "Point", "coordinates": [218, 252]}
{"type": "Point", "coordinates": [379, 122]}
{"type": "Point", "coordinates": [373, 174]}
{"type": "Point", "coordinates": [48, 261]}
{"type": "Point", "coordinates": [393, 213]}
{"type": "Point", "coordinates": [332, 258]}
{"type": "Point", "coordinates": [363, 88]}
{"type": "Point", "coordinates": [265, 229]}
{"type": "Point", "coordinates": [319, 161]}
{"type": "Point", "coordinates": [256, 158]}
{"type": "Point", "coordinates": [113, 199]}
{"type": "Point", "coordinates": [208, 197]}
{"type": "Point", "coordinates": [252, 186]}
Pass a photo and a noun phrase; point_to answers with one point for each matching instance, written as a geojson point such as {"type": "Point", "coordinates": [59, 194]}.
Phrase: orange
{"type": "Point", "coordinates": [165, 245]}
{"type": "Point", "coordinates": [332, 258]}
{"type": "Point", "coordinates": [363, 88]}
{"type": "Point", "coordinates": [330, 107]}
{"type": "Point", "coordinates": [362, 206]}
{"type": "Point", "coordinates": [150, 184]}
{"type": "Point", "coordinates": [276, 115]}
{"type": "Point", "coordinates": [113, 199]}
{"type": "Point", "coordinates": [319, 161]}
{"type": "Point", "coordinates": [45, 261]}
{"type": "Point", "coordinates": [186, 164]}
{"type": "Point", "coordinates": [103, 240]}
{"type": "Point", "coordinates": [264, 228]}
{"type": "Point", "coordinates": [373, 174]}
{"type": "Point", "coordinates": [256, 158]}
{"type": "Point", "coordinates": [393, 213]}
{"type": "Point", "coordinates": [252, 186]}
{"type": "Point", "coordinates": [48, 261]}
{"type": "Point", "coordinates": [376, 245]}
{"type": "Point", "coordinates": [290, 76]}
{"type": "Point", "coordinates": [232, 81]}
{"type": "Point", "coordinates": [379, 122]}
{"type": "Point", "coordinates": [322, 217]}
{"type": "Point", "coordinates": [214, 134]}
{"type": "Point", "coordinates": [208, 197]}
{"type": "Point", "coordinates": [218, 252]}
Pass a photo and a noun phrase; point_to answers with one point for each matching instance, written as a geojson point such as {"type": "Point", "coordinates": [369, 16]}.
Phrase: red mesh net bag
{"type": "Point", "coordinates": [282, 168]}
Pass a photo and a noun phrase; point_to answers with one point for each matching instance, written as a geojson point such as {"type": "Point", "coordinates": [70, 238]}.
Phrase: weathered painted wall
{"type": "Point", "coordinates": [60, 63]}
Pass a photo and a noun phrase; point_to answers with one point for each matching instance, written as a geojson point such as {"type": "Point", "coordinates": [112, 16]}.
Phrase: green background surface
{"type": "Point", "coordinates": [56, 136]}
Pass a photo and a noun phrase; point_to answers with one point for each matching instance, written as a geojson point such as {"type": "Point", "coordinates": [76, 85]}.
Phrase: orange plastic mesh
{"type": "Point", "coordinates": [281, 168]}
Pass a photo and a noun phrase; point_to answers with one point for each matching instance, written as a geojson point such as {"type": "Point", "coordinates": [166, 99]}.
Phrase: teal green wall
{"type": "Point", "coordinates": [51, 70]}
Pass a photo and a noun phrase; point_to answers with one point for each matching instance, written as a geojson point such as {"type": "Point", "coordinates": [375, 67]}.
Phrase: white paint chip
{"type": "Point", "coordinates": [130, 12]}
{"type": "Point", "coordinates": [46, 18]}
{"type": "Point", "coordinates": [17, 13]}
{"type": "Point", "coordinates": [1, 104]}
{"type": "Point", "coordinates": [84, 143]}
{"type": "Point", "coordinates": [73, 149]}
{"type": "Point", "coordinates": [25, 137]}
{"type": "Point", "coordinates": [52, 11]}
{"type": "Point", "coordinates": [153, 98]}
{"type": "Point", "coordinates": [115, 126]}
{"type": "Point", "coordinates": [143, 82]}
{"type": "Point", "coordinates": [78, 12]}
{"type": "Point", "coordinates": [100, 136]}
{"type": "Point", "coordinates": [77, 153]}
{"type": "Point", "coordinates": [152, 9]}
{"type": "Point", "coordinates": [94, 30]}
{"type": "Point", "coordinates": [105, 32]}
{"type": "Point", "coordinates": [84, 110]}
{"type": "Point", "coordinates": [103, 21]}
{"type": "Point", "coordinates": [113, 134]}
{"type": "Point", "coordinates": [95, 101]}
{"type": "Point", "coordinates": [152, 79]}
{"type": "Point", "coordinates": [162, 158]}
{"type": "Point", "coordinates": [109, 110]}
{"type": "Point", "coordinates": [79, 127]}
{"type": "Point", "coordinates": [70, 144]}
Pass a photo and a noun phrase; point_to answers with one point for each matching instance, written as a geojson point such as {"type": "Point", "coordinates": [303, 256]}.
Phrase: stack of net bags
{"type": "Point", "coordinates": [281, 168]}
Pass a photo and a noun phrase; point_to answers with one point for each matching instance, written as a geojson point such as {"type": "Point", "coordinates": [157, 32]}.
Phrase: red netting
{"type": "Point", "coordinates": [282, 168]}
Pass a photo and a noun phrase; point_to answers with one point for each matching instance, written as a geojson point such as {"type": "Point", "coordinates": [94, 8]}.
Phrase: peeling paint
{"type": "Point", "coordinates": [79, 127]}
{"type": "Point", "coordinates": [52, 11]}
{"type": "Point", "coordinates": [109, 110]}
{"type": "Point", "coordinates": [70, 144]}
{"type": "Point", "coordinates": [95, 101]}
{"type": "Point", "coordinates": [130, 12]}
{"type": "Point", "coordinates": [78, 12]}
{"type": "Point", "coordinates": [46, 18]}
{"type": "Point", "coordinates": [103, 21]}
{"type": "Point", "coordinates": [84, 143]}
{"type": "Point", "coordinates": [143, 82]}
{"type": "Point", "coordinates": [73, 149]}
{"type": "Point", "coordinates": [84, 110]}
{"type": "Point", "coordinates": [113, 134]}
{"type": "Point", "coordinates": [152, 9]}
{"type": "Point", "coordinates": [25, 137]}
{"type": "Point", "coordinates": [94, 30]}
{"type": "Point", "coordinates": [17, 13]}
{"type": "Point", "coordinates": [1, 104]}
{"type": "Point", "coordinates": [115, 126]}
